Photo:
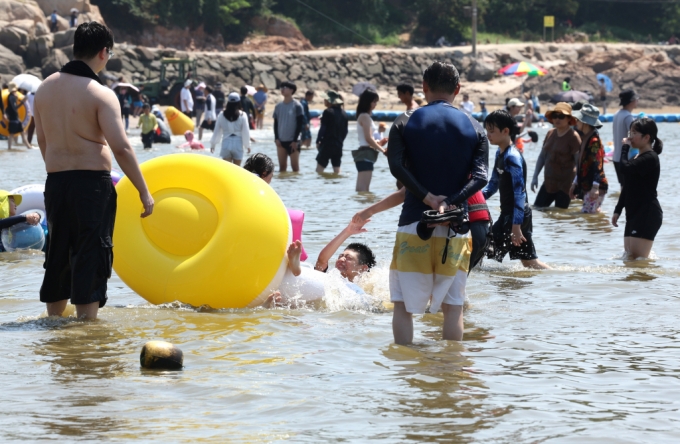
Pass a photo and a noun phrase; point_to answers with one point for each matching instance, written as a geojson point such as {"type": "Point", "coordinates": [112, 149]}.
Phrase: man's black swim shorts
{"type": "Point", "coordinates": [81, 211]}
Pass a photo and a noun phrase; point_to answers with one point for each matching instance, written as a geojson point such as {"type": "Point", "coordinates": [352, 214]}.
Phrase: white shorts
{"type": "Point", "coordinates": [232, 148]}
{"type": "Point", "coordinates": [417, 272]}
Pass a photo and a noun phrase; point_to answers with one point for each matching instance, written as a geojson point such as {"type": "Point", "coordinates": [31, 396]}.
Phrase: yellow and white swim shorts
{"type": "Point", "coordinates": [417, 272]}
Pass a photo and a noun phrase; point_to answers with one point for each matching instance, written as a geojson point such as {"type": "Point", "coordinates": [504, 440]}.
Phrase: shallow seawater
{"type": "Point", "coordinates": [586, 352]}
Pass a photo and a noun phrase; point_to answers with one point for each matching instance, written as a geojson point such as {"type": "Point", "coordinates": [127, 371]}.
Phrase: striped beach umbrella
{"type": "Point", "coordinates": [522, 68]}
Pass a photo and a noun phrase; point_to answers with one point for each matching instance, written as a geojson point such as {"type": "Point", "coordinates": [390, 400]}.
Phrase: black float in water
{"type": "Point", "coordinates": [161, 355]}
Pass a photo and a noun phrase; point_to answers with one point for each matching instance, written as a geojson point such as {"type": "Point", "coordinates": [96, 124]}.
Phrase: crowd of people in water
{"type": "Point", "coordinates": [437, 152]}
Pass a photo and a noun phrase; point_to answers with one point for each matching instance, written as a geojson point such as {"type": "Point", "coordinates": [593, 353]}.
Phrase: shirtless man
{"type": "Point", "coordinates": [77, 121]}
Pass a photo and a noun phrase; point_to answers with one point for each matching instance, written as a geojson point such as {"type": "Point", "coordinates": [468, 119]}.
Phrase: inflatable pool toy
{"type": "Point", "coordinates": [297, 218]}
{"type": "Point", "coordinates": [307, 287]}
{"type": "Point", "coordinates": [22, 112]}
{"type": "Point", "coordinates": [161, 355]}
{"type": "Point", "coordinates": [218, 234]}
{"type": "Point", "coordinates": [32, 197]}
{"type": "Point", "coordinates": [179, 122]}
{"type": "Point", "coordinates": [116, 176]}
{"type": "Point", "coordinates": [24, 236]}
{"type": "Point", "coordinates": [162, 134]}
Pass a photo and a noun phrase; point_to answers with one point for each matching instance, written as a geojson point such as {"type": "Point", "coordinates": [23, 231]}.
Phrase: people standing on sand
{"type": "Point", "coordinates": [332, 133]}
{"type": "Point", "coordinates": [439, 169]}
{"type": "Point", "coordinates": [367, 154]}
{"type": "Point", "coordinates": [199, 103]}
{"type": "Point", "coordinates": [54, 22]}
{"type": "Point", "coordinates": [306, 137]}
{"type": "Point", "coordinates": [248, 107]}
{"type": "Point", "coordinates": [80, 199]}
{"type": "Point", "coordinates": [288, 123]}
{"type": "Point", "coordinates": [638, 195]}
{"type": "Point", "coordinates": [623, 119]}
{"type": "Point", "coordinates": [559, 155]}
{"type": "Point", "coordinates": [260, 98]}
{"type": "Point", "coordinates": [210, 117]}
{"type": "Point", "coordinates": [603, 95]}
{"type": "Point", "coordinates": [590, 183]}
{"type": "Point", "coordinates": [566, 84]}
{"type": "Point", "coordinates": [186, 100]}
{"type": "Point", "coordinates": [512, 232]}
{"type": "Point", "coordinates": [219, 98]}
{"type": "Point", "coordinates": [15, 126]}
{"type": "Point", "coordinates": [233, 130]}
{"type": "Point", "coordinates": [405, 93]}
{"type": "Point", "coordinates": [467, 105]}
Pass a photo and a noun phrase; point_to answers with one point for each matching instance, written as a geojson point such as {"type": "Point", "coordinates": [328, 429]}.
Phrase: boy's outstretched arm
{"type": "Point", "coordinates": [330, 249]}
{"type": "Point", "coordinates": [390, 201]}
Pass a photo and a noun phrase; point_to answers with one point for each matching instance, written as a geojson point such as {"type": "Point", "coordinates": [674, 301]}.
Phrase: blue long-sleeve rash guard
{"type": "Point", "coordinates": [509, 176]}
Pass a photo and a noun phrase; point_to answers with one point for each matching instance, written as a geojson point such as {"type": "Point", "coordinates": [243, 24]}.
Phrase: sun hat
{"type": "Point", "coordinates": [626, 97]}
{"type": "Point", "coordinates": [588, 114]}
{"type": "Point", "coordinates": [188, 82]}
{"type": "Point", "coordinates": [515, 102]}
{"type": "Point", "coordinates": [12, 87]}
{"type": "Point", "coordinates": [4, 202]}
{"type": "Point", "coordinates": [333, 97]}
{"type": "Point", "coordinates": [200, 85]}
{"type": "Point", "coordinates": [561, 108]}
{"type": "Point", "coordinates": [233, 97]}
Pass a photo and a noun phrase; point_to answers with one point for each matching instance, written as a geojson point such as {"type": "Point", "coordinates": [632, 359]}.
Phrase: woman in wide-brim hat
{"type": "Point", "coordinates": [559, 155]}
{"type": "Point", "coordinates": [590, 183]}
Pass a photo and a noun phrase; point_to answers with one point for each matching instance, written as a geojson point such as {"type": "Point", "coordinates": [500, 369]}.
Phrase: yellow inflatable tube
{"type": "Point", "coordinates": [218, 234]}
{"type": "Point", "coordinates": [178, 121]}
{"type": "Point", "coordinates": [22, 111]}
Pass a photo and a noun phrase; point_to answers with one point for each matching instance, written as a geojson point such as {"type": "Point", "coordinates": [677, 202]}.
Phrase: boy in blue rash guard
{"type": "Point", "coordinates": [512, 231]}
{"type": "Point", "coordinates": [442, 160]}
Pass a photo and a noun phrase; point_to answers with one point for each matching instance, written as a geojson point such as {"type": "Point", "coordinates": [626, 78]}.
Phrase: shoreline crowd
{"type": "Point", "coordinates": [438, 153]}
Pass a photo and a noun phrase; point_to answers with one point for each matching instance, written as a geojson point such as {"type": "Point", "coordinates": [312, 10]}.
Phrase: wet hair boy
{"type": "Point", "coordinates": [512, 232]}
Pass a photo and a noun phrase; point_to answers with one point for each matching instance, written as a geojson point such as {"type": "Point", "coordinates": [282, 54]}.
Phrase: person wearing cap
{"type": "Point", "coordinates": [514, 106]}
{"type": "Point", "coordinates": [15, 126]}
{"type": "Point", "coordinates": [623, 119]}
{"type": "Point", "coordinates": [219, 98]}
{"type": "Point", "coordinates": [199, 103]}
{"type": "Point", "coordinates": [78, 125]}
{"type": "Point", "coordinates": [590, 183]}
{"type": "Point", "coordinates": [260, 98]}
{"type": "Point", "coordinates": [233, 130]}
{"type": "Point", "coordinates": [289, 120]}
{"type": "Point", "coordinates": [186, 100]}
{"type": "Point", "coordinates": [559, 155]}
{"type": "Point", "coordinates": [332, 133]}
{"type": "Point", "coordinates": [8, 210]}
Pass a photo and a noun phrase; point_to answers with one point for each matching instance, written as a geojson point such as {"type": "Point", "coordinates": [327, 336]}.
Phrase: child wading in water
{"type": "Point", "coordinates": [513, 229]}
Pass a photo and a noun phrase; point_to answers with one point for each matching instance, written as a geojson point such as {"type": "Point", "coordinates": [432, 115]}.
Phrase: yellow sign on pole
{"type": "Point", "coordinates": [549, 21]}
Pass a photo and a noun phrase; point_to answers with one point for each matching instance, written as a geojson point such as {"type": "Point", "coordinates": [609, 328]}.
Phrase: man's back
{"type": "Point", "coordinates": [440, 142]}
{"type": "Point", "coordinates": [69, 109]}
{"type": "Point", "coordinates": [336, 122]}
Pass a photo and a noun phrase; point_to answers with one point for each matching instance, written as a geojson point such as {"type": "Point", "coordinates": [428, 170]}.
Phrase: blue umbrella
{"type": "Point", "coordinates": [607, 82]}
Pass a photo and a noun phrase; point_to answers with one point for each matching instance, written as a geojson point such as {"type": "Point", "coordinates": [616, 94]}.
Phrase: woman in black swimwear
{"type": "Point", "coordinates": [638, 196]}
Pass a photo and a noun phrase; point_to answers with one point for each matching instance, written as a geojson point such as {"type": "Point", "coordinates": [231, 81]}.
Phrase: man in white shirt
{"type": "Point", "coordinates": [621, 125]}
{"type": "Point", "coordinates": [186, 100]}
{"type": "Point", "coordinates": [467, 105]}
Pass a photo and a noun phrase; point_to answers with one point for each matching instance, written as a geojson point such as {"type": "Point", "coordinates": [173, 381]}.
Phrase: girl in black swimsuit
{"type": "Point", "coordinates": [638, 196]}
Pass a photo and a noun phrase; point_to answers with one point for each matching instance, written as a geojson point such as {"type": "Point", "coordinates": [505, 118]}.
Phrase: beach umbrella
{"type": "Point", "coordinates": [360, 87]}
{"type": "Point", "coordinates": [27, 82]}
{"type": "Point", "coordinates": [522, 68]}
{"type": "Point", "coordinates": [251, 90]}
{"type": "Point", "coordinates": [570, 97]}
{"type": "Point", "coordinates": [607, 82]}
